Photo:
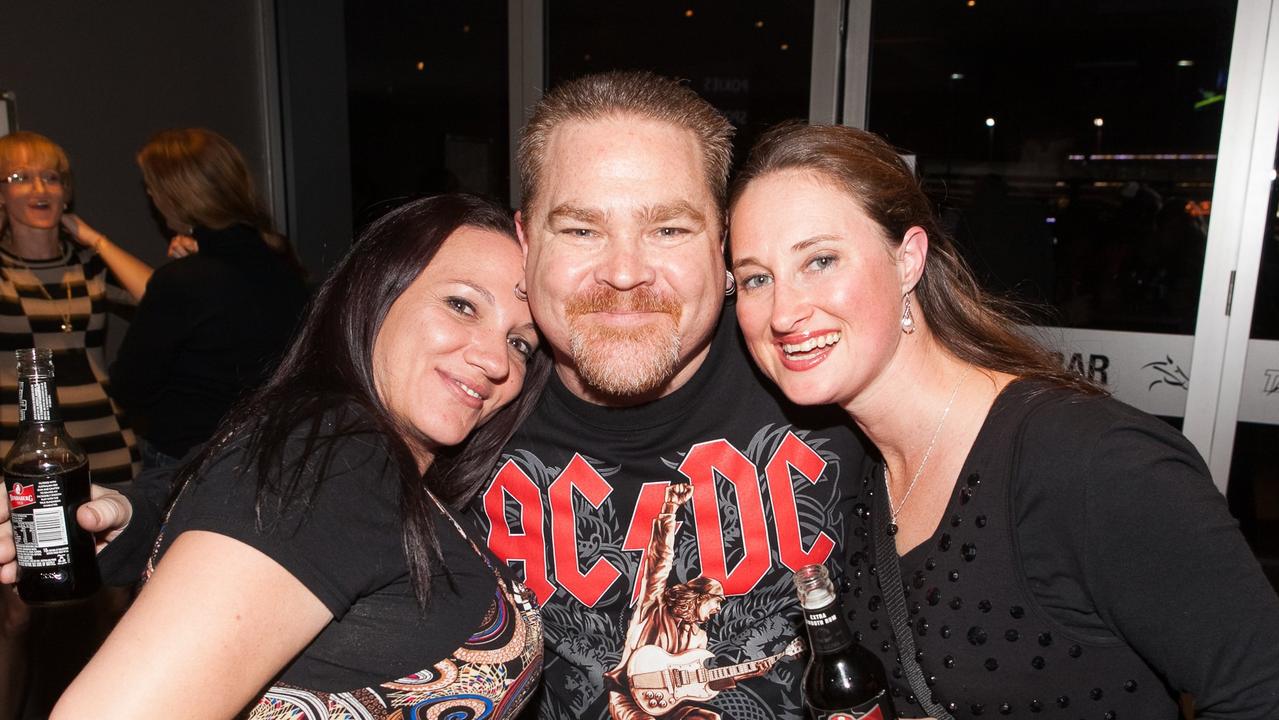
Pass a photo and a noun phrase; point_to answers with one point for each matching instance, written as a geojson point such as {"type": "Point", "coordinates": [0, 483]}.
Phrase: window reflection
{"type": "Point", "coordinates": [427, 95]}
{"type": "Point", "coordinates": [1071, 147]}
{"type": "Point", "coordinates": [750, 59]}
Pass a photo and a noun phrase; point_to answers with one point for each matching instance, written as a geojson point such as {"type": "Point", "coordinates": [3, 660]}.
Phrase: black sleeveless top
{"type": "Point", "coordinates": [986, 643]}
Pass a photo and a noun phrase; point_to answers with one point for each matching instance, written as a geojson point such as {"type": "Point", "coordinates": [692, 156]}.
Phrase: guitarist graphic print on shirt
{"type": "Point", "coordinates": [663, 669]}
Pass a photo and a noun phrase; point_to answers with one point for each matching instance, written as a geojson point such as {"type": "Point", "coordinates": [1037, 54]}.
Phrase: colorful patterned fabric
{"type": "Point", "coordinates": [75, 286]}
{"type": "Point", "coordinates": [491, 676]}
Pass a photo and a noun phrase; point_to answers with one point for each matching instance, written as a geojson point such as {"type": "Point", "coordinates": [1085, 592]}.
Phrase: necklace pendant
{"type": "Point", "coordinates": [892, 529]}
{"type": "Point", "coordinates": [66, 327]}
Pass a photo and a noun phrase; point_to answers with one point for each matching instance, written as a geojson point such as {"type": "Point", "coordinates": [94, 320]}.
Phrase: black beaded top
{"type": "Point", "coordinates": [985, 645]}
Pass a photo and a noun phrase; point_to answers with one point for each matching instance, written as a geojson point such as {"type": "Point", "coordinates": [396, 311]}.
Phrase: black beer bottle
{"type": "Point", "coordinates": [843, 680]}
{"type": "Point", "coordinates": [47, 476]}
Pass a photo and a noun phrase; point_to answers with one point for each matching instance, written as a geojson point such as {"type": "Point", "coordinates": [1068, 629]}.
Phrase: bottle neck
{"type": "Point", "coordinates": [38, 401]}
{"type": "Point", "coordinates": [827, 629]}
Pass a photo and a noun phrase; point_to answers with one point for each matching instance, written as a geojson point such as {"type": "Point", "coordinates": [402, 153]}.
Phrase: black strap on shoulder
{"type": "Point", "coordinates": [890, 587]}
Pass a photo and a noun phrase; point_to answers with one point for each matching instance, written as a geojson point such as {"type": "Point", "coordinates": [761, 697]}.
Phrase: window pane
{"type": "Point", "coordinates": [751, 59]}
{"type": "Point", "coordinates": [1070, 146]}
{"type": "Point", "coordinates": [427, 95]}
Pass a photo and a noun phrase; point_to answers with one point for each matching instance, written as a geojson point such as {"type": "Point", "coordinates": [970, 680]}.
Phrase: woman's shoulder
{"type": "Point", "coordinates": [1043, 403]}
{"type": "Point", "coordinates": [324, 444]}
{"type": "Point", "coordinates": [1066, 427]}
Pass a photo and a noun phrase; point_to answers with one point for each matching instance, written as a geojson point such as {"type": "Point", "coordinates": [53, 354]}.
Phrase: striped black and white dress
{"type": "Point", "coordinates": [30, 317]}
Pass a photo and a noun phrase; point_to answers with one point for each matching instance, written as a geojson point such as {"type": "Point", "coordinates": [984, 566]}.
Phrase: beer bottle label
{"type": "Point", "coordinates": [827, 630]}
{"type": "Point", "coordinates": [39, 516]}
{"type": "Point", "coordinates": [877, 708]}
{"type": "Point", "coordinates": [36, 401]}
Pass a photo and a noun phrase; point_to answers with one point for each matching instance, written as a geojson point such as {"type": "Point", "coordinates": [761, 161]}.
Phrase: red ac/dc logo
{"type": "Point", "coordinates": [876, 714]}
{"type": "Point", "coordinates": [21, 495]}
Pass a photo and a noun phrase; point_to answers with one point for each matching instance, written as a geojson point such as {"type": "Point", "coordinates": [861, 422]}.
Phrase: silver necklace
{"type": "Point", "coordinates": [895, 508]}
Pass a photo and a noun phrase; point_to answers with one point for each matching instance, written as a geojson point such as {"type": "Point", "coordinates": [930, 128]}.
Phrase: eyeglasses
{"type": "Point", "coordinates": [26, 177]}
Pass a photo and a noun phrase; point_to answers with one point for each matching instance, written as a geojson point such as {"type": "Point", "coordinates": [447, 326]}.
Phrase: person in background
{"type": "Point", "coordinates": [317, 548]}
{"type": "Point", "coordinates": [213, 322]}
{"type": "Point", "coordinates": [1059, 549]}
{"type": "Point", "coordinates": [58, 278]}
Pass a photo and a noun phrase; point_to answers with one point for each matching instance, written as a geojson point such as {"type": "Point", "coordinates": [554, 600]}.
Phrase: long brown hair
{"type": "Point", "coordinates": [204, 179]}
{"type": "Point", "coordinates": [972, 324]}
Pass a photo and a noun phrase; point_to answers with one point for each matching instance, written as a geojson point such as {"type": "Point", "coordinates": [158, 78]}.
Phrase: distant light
{"type": "Point", "coordinates": [466, 28]}
{"type": "Point", "coordinates": [421, 66]}
{"type": "Point", "coordinates": [688, 12]}
{"type": "Point", "coordinates": [1185, 63]}
{"type": "Point", "coordinates": [759, 23]}
{"type": "Point", "coordinates": [786, 46]}
{"type": "Point", "coordinates": [1051, 220]}
{"type": "Point", "coordinates": [1098, 122]}
{"type": "Point", "coordinates": [990, 122]}
{"type": "Point", "coordinates": [956, 76]}
{"type": "Point", "coordinates": [972, 3]}
{"type": "Point", "coordinates": [1126, 157]}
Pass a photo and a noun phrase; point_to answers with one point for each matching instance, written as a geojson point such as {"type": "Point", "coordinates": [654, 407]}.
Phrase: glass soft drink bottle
{"type": "Point", "coordinates": [47, 476]}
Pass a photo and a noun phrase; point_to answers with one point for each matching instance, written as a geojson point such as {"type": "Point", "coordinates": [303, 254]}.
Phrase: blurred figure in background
{"type": "Point", "coordinates": [58, 278]}
{"type": "Point", "coordinates": [213, 322]}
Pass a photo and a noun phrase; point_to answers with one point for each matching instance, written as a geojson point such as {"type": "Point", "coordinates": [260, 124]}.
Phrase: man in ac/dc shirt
{"type": "Point", "coordinates": [624, 182]}
{"type": "Point", "coordinates": [624, 185]}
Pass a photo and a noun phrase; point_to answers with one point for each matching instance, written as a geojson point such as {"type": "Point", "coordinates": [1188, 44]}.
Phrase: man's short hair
{"type": "Point", "coordinates": [618, 93]}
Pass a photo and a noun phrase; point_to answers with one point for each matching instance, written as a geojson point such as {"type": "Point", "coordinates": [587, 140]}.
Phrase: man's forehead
{"type": "Point", "coordinates": [581, 153]}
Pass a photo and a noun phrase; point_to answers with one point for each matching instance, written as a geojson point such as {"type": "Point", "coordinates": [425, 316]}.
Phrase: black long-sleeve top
{"type": "Point", "coordinates": [210, 326]}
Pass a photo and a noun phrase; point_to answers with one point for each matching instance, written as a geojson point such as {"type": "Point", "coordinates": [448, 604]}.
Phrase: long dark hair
{"type": "Point", "coordinates": [324, 388]}
{"type": "Point", "coordinates": [972, 324]}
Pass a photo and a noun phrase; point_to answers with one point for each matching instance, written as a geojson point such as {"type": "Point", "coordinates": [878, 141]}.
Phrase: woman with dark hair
{"type": "Point", "coordinates": [315, 561]}
{"type": "Point", "coordinates": [1029, 544]}
{"type": "Point", "coordinates": [214, 321]}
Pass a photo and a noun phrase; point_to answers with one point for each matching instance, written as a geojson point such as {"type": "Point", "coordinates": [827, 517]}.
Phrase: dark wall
{"type": "Point", "coordinates": [100, 77]}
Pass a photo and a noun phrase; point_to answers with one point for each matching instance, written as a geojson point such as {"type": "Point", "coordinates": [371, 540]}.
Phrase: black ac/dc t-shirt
{"type": "Point", "coordinates": [577, 506]}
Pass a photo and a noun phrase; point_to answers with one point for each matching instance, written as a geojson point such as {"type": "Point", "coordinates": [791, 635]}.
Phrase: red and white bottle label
{"type": "Point", "coordinates": [22, 495]}
{"type": "Point", "coordinates": [877, 708]}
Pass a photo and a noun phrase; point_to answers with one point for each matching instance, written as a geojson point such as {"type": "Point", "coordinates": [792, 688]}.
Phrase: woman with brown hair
{"type": "Point", "coordinates": [1028, 543]}
{"type": "Point", "coordinates": [213, 322]}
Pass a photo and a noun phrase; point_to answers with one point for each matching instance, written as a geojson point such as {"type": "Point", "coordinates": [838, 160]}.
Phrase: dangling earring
{"type": "Point", "coordinates": [908, 320]}
{"type": "Point", "coordinates": [730, 284]}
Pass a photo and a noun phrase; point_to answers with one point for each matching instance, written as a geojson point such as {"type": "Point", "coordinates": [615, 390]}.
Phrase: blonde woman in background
{"type": "Point", "coordinates": [58, 278]}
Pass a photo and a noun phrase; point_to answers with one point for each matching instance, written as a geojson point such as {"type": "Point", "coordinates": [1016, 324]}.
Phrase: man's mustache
{"type": "Point", "coordinates": [606, 299]}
